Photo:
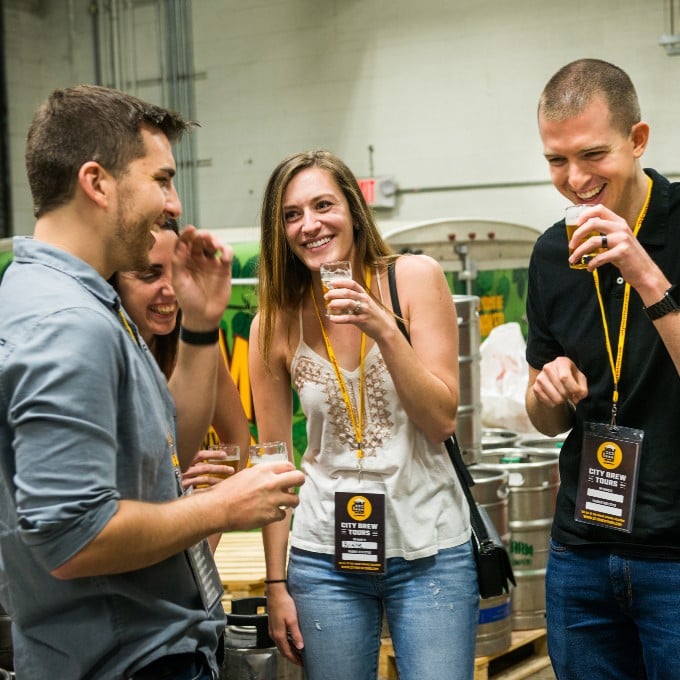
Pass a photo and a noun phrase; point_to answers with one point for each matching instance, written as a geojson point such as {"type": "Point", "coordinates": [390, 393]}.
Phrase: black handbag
{"type": "Point", "coordinates": [494, 571]}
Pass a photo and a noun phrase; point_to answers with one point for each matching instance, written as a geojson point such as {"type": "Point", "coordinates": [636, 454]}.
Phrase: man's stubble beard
{"type": "Point", "coordinates": [133, 233]}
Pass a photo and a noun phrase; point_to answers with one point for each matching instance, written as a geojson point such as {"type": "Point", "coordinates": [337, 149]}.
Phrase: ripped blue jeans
{"type": "Point", "coordinates": [431, 606]}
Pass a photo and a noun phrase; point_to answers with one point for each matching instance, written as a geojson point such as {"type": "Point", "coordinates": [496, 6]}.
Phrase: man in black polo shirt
{"type": "Point", "coordinates": [604, 351]}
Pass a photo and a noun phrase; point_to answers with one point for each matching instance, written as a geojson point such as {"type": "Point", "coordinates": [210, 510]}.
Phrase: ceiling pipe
{"type": "Point", "coordinates": [5, 189]}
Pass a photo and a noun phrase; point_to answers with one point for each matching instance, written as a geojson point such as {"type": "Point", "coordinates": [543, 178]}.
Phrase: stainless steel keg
{"type": "Point", "coordinates": [249, 652]}
{"type": "Point", "coordinates": [469, 419]}
{"type": "Point", "coordinates": [533, 483]}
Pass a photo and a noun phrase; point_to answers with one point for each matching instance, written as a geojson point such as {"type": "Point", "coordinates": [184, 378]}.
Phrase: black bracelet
{"type": "Point", "coordinates": [275, 580]}
{"type": "Point", "coordinates": [199, 337]}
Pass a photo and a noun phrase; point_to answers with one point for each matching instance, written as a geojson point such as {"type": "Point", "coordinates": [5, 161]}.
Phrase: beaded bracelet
{"type": "Point", "coordinates": [199, 337]}
{"type": "Point", "coordinates": [275, 580]}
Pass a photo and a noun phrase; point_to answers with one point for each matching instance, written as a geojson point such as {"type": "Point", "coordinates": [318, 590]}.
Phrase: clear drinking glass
{"type": "Point", "coordinates": [571, 215]}
{"type": "Point", "coordinates": [268, 452]}
{"type": "Point", "coordinates": [231, 458]}
{"type": "Point", "coordinates": [332, 271]}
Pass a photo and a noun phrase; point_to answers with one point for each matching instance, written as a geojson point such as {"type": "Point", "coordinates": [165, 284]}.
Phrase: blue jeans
{"type": "Point", "coordinates": [612, 617]}
{"type": "Point", "coordinates": [431, 606]}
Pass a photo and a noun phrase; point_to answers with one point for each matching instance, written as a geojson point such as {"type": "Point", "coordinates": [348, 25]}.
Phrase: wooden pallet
{"type": "Point", "coordinates": [387, 666]}
{"type": "Point", "coordinates": [526, 655]}
{"type": "Point", "coordinates": [240, 563]}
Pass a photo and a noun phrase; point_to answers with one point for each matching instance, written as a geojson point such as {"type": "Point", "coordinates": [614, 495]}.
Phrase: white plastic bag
{"type": "Point", "coordinates": [504, 378]}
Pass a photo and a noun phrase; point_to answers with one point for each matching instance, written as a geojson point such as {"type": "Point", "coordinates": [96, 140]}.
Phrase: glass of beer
{"type": "Point", "coordinates": [231, 458]}
{"type": "Point", "coordinates": [268, 452]}
{"type": "Point", "coordinates": [332, 271]}
{"type": "Point", "coordinates": [571, 217]}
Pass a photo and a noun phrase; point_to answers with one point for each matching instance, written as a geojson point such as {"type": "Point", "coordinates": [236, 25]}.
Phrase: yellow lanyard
{"type": "Point", "coordinates": [171, 444]}
{"type": "Point", "coordinates": [355, 418]}
{"type": "Point", "coordinates": [127, 327]}
{"type": "Point", "coordinates": [616, 367]}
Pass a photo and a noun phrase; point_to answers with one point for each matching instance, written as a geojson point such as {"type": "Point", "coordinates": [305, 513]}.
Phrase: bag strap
{"type": "Point", "coordinates": [396, 307]}
{"type": "Point", "coordinates": [464, 476]}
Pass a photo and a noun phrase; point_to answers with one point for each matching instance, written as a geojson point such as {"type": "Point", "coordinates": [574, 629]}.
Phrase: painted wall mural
{"type": "Point", "coordinates": [502, 295]}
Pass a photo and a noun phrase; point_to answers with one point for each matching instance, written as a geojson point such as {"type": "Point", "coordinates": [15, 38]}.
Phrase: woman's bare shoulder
{"type": "Point", "coordinates": [418, 269]}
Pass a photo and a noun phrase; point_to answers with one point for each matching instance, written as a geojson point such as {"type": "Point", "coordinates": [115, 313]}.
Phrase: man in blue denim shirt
{"type": "Point", "coordinates": [103, 566]}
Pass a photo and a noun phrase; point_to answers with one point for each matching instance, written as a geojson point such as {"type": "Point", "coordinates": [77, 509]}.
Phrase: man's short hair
{"type": "Point", "coordinates": [88, 123]}
{"type": "Point", "coordinates": [577, 84]}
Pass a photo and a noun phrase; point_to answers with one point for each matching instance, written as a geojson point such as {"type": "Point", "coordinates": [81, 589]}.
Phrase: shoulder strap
{"type": "Point", "coordinates": [466, 482]}
{"type": "Point", "coordinates": [464, 476]}
{"type": "Point", "coordinates": [396, 307]}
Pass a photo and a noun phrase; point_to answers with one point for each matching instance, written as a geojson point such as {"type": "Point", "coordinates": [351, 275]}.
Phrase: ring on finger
{"type": "Point", "coordinates": [605, 245]}
{"type": "Point", "coordinates": [357, 308]}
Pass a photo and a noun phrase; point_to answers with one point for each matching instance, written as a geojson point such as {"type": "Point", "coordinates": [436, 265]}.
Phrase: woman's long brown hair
{"type": "Point", "coordinates": [282, 278]}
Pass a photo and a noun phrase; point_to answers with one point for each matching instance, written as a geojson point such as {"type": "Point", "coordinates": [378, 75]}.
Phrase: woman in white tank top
{"type": "Point", "coordinates": [382, 523]}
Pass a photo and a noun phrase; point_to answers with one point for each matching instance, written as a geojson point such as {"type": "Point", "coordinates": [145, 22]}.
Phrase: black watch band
{"type": "Point", "coordinates": [670, 302]}
{"type": "Point", "coordinates": [199, 337]}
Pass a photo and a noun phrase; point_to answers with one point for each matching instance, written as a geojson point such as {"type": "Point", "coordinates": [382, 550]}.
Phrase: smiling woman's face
{"type": "Point", "coordinates": [148, 296]}
{"type": "Point", "coordinates": [317, 218]}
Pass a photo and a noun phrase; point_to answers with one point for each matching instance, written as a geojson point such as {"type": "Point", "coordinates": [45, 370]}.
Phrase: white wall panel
{"type": "Point", "coordinates": [47, 45]}
{"type": "Point", "coordinates": [444, 91]}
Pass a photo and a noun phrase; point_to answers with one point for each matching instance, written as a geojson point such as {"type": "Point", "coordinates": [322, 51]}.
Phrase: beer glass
{"type": "Point", "coordinates": [268, 452]}
{"type": "Point", "coordinates": [332, 271]}
{"type": "Point", "coordinates": [231, 458]}
{"type": "Point", "coordinates": [571, 217]}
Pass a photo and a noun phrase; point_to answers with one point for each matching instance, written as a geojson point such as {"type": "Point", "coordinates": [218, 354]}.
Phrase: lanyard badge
{"type": "Point", "coordinates": [359, 517]}
{"type": "Point", "coordinates": [360, 532]}
{"type": "Point", "coordinates": [200, 556]}
{"type": "Point", "coordinates": [610, 455]}
{"type": "Point", "coordinates": [608, 478]}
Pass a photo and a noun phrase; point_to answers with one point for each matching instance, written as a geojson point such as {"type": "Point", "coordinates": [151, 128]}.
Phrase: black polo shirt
{"type": "Point", "coordinates": [565, 320]}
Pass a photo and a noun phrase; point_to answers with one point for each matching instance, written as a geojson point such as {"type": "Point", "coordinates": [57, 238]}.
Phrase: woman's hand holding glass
{"type": "Point", "coordinates": [332, 272]}
{"type": "Point", "coordinates": [210, 466]}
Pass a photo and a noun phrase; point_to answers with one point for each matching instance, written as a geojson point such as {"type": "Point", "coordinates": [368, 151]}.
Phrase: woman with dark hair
{"type": "Point", "coordinates": [378, 408]}
{"type": "Point", "coordinates": [149, 298]}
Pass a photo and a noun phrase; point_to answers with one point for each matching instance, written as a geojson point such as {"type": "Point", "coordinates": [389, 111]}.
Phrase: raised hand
{"type": "Point", "coordinates": [201, 278]}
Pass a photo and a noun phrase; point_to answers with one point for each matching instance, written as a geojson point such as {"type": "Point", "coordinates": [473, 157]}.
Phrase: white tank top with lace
{"type": "Point", "coordinates": [425, 508]}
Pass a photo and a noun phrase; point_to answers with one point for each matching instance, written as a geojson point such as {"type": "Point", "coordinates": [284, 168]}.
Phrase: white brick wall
{"type": "Point", "coordinates": [444, 90]}
{"type": "Point", "coordinates": [46, 47]}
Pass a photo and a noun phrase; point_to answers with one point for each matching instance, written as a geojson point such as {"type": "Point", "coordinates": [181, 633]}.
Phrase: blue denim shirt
{"type": "Point", "coordinates": [86, 419]}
